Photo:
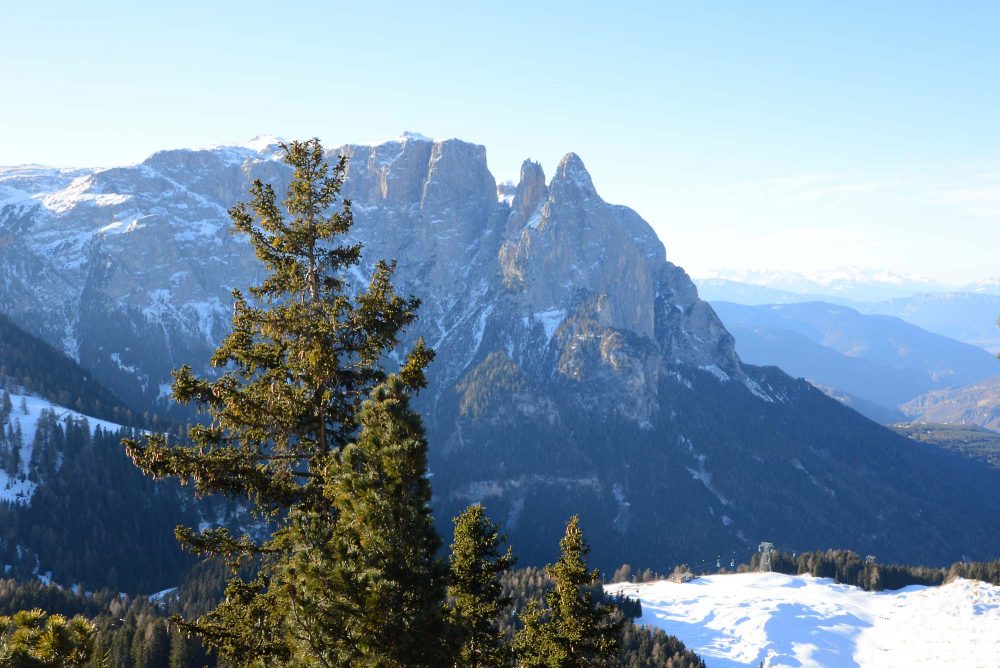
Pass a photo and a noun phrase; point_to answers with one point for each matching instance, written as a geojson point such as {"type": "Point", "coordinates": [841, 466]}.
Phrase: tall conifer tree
{"type": "Point", "coordinates": [302, 356]}
{"type": "Point", "coordinates": [370, 591]}
{"type": "Point", "coordinates": [571, 631]}
{"type": "Point", "coordinates": [475, 592]}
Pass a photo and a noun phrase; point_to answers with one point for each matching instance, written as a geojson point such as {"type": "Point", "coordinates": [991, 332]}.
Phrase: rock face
{"type": "Point", "coordinates": [577, 369]}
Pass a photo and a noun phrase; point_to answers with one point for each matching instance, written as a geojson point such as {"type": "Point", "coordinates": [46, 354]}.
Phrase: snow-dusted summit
{"type": "Point", "coordinates": [577, 369]}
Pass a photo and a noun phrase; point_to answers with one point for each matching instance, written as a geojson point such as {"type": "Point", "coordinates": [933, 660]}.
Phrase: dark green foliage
{"type": "Point", "coordinates": [475, 590]}
{"type": "Point", "coordinates": [571, 631]}
{"type": "Point", "coordinates": [300, 359]}
{"type": "Point", "coordinates": [35, 639]}
{"type": "Point", "coordinates": [848, 567]}
{"type": "Point", "coordinates": [93, 519]}
{"type": "Point", "coordinates": [984, 571]}
{"type": "Point", "coordinates": [639, 646]}
{"type": "Point", "coordinates": [16, 596]}
{"type": "Point", "coordinates": [368, 590]}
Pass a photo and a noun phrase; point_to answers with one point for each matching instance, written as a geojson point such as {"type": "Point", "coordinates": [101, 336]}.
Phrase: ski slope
{"type": "Point", "coordinates": [784, 620]}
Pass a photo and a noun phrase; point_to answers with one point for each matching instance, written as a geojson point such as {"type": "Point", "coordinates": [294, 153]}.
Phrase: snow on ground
{"type": "Point", "coordinates": [18, 489]}
{"type": "Point", "coordinates": [784, 620]}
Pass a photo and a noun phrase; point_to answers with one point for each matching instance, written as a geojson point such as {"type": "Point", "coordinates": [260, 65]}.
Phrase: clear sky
{"type": "Point", "coordinates": [794, 136]}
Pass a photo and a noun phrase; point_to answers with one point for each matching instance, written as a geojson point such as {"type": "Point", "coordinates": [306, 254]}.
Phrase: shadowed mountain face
{"type": "Point", "coordinates": [578, 371]}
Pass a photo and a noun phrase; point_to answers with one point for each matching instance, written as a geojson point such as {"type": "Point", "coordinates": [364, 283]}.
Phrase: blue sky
{"type": "Point", "coordinates": [792, 136]}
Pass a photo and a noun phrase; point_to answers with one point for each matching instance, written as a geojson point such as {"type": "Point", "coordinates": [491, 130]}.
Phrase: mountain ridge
{"type": "Point", "coordinates": [578, 371]}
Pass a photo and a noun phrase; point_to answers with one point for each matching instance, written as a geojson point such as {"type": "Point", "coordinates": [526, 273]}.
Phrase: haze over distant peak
{"type": "Point", "coordinates": [852, 283]}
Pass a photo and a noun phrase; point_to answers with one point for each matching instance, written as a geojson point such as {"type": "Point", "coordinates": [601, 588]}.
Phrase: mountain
{"type": "Point", "coordinates": [968, 314]}
{"type": "Point", "coordinates": [34, 367]}
{"type": "Point", "coordinates": [977, 404]}
{"type": "Point", "coordinates": [856, 284]}
{"type": "Point", "coordinates": [989, 286]}
{"type": "Point", "coordinates": [726, 290]}
{"type": "Point", "coordinates": [964, 316]}
{"type": "Point", "coordinates": [877, 359]}
{"type": "Point", "coordinates": [774, 619]}
{"type": "Point", "coordinates": [72, 506]}
{"type": "Point", "coordinates": [578, 371]}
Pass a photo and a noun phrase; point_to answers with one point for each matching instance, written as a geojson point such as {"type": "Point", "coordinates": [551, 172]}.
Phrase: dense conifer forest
{"type": "Point", "coordinates": [28, 362]}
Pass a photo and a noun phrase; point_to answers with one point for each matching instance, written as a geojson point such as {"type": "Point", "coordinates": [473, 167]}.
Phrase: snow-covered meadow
{"type": "Point", "coordinates": [803, 621]}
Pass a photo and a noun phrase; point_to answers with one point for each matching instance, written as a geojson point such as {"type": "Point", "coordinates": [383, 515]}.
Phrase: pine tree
{"type": "Point", "coordinates": [5, 406]}
{"type": "Point", "coordinates": [369, 591]}
{"type": "Point", "coordinates": [301, 358]}
{"type": "Point", "coordinates": [475, 593]}
{"type": "Point", "coordinates": [31, 638]}
{"type": "Point", "coordinates": [16, 440]}
{"type": "Point", "coordinates": [571, 631]}
{"type": "Point", "coordinates": [151, 645]}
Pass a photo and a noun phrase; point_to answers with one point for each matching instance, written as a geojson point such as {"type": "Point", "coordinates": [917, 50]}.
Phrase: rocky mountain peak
{"type": "Point", "coordinates": [577, 369]}
{"type": "Point", "coordinates": [571, 170]}
{"type": "Point", "coordinates": [530, 194]}
{"type": "Point", "coordinates": [151, 241]}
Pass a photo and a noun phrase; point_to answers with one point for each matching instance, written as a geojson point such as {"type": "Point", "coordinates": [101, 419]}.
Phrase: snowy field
{"type": "Point", "coordinates": [784, 620]}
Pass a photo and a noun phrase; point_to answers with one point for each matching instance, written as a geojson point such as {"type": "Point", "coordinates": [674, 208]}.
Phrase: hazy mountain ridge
{"type": "Point", "coordinates": [849, 283]}
{"type": "Point", "coordinates": [967, 313]}
{"type": "Point", "coordinates": [578, 370]}
{"type": "Point", "coordinates": [879, 359]}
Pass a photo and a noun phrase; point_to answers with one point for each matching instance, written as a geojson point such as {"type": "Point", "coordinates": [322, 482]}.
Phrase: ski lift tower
{"type": "Point", "coordinates": [765, 549]}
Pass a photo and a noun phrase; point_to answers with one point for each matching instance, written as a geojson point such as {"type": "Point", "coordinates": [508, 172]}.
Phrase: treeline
{"type": "Point", "coordinates": [28, 362]}
{"type": "Point", "coordinates": [847, 567]}
{"type": "Point", "coordinates": [841, 566]}
{"type": "Point", "coordinates": [93, 520]}
{"type": "Point", "coordinates": [137, 632]}
{"type": "Point", "coordinates": [639, 646]}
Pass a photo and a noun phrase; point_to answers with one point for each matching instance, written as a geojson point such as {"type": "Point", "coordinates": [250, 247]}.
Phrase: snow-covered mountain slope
{"type": "Point", "coordinates": [15, 485]}
{"type": "Point", "coordinates": [807, 622]}
{"type": "Point", "coordinates": [577, 369]}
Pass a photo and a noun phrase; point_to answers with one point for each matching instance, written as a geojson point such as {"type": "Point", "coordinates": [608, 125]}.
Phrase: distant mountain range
{"type": "Point", "coordinates": [853, 284]}
{"type": "Point", "coordinates": [578, 371]}
{"type": "Point", "coordinates": [968, 314]}
{"type": "Point", "coordinates": [880, 360]}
